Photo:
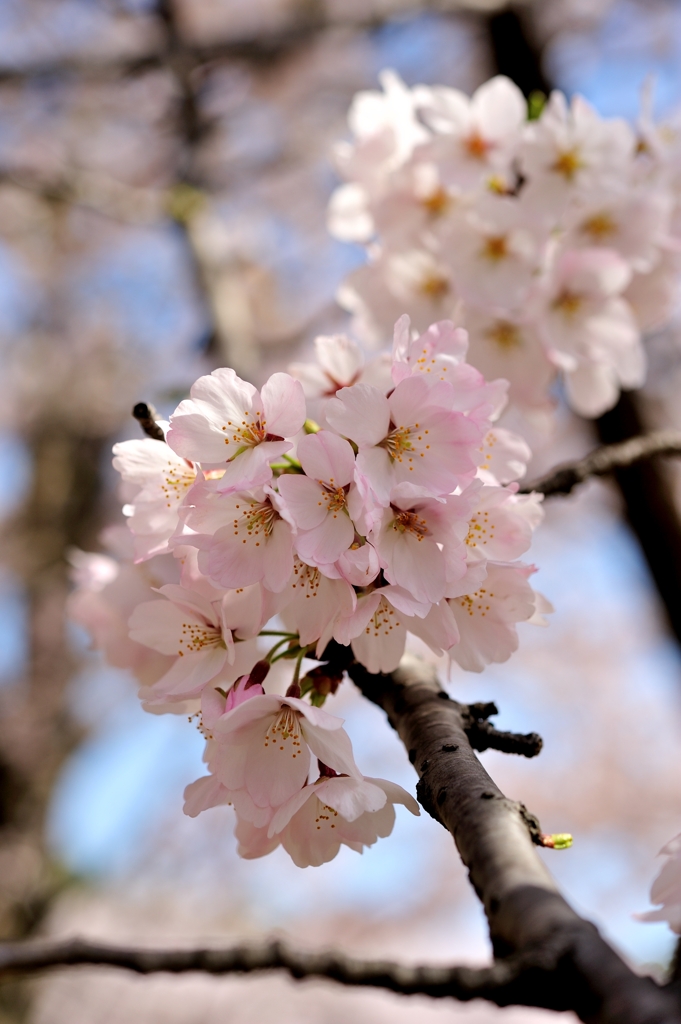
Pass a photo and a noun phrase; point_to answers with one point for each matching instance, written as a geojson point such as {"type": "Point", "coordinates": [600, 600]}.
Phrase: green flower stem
{"type": "Point", "coordinates": [292, 652]}
{"type": "Point", "coordinates": [299, 661]}
{"type": "Point", "coordinates": [268, 656]}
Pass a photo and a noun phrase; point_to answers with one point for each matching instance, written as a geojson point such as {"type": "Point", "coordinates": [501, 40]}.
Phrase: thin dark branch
{"type": "Point", "coordinates": [607, 459]}
{"type": "Point", "coordinates": [503, 983]}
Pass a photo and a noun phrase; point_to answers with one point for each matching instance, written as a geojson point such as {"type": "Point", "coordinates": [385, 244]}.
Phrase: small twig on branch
{"type": "Point", "coordinates": [606, 459]}
{"type": "Point", "coordinates": [484, 736]}
{"type": "Point", "coordinates": [147, 417]}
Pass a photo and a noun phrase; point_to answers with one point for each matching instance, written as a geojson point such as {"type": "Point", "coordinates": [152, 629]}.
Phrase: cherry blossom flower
{"type": "Point", "coordinates": [413, 280]}
{"type": "Point", "coordinates": [317, 501]}
{"type": "Point", "coordinates": [590, 330]}
{"type": "Point", "coordinates": [419, 542]}
{"type": "Point", "coordinates": [494, 253]}
{"type": "Point", "coordinates": [505, 456]}
{"type": "Point", "coordinates": [334, 811]}
{"type": "Point", "coordinates": [478, 136]}
{"type": "Point", "coordinates": [264, 747]}
{"type": "Point", "coordinates": [243, 537]}
{"type": "Point", "coordinates": [227, 420]}
{"type": "Point", "coordinates": [390, 114]}
{"type": "Point", "coordinates": [411, 436]}
{"type": "Point", "coordinates": [666, 889]}
{"type": "Point", "coordinates": [377, 629]}
{"type": "Point", "coordinates": [316, 603]}
{"type": "Point", "coordinates": [508, 344]}
{"type": "Point", "coordinates": [403, 209]}
{"type": "Point", "coordinates": [191, 628]}
{"type": "Point", "coordinates": [501, 522]}
{"type": "Point", "coordinates": [636, 224]}
{"type": "Point", "coordinates": [570, 151]}
{"type": "Point", "coordinates": [340, 363]}
{"type": "Point", "coordinates": [488, 616]}
{"type": "Point", "coordinates": [107, 592]}
{"type": "Point", "coordinates": [437, 353]}
{"type": "Point", "coordinates": [161, 480]}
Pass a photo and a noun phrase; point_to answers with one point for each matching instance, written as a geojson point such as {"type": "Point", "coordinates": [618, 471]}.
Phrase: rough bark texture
{"type": "Point", "coordinates": [524, 909]}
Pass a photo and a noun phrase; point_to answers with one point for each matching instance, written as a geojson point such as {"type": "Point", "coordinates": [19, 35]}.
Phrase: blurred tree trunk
{"type": "Point", "coordinates": [37, 729]}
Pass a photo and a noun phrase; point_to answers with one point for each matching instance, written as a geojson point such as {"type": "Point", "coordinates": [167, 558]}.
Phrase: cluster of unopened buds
{"type": "Point", "coordinates": [258, 536]}
{"type": "Point", "coordinates": [554, 239]}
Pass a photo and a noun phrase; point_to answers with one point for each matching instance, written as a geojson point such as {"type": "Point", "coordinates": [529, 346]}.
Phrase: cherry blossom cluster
{"type": "Point", "coordinates": [259, 536]}
{"type": "Point", "coordinates": [555, 241]}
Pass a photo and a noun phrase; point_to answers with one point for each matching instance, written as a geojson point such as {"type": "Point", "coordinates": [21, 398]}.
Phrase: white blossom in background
{"type": "Point", "coordinates": [666, 889]}
{"type": "Point", "coordinates": [555, 241]}
{"type": "Point", "coordinates": [161, 479]}
{"type": "Point", "coordinates": [255, 535]}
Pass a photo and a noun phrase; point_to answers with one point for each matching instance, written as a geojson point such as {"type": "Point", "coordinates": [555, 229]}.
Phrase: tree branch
{"type": "Point", "coordinates": [260, 48]}
{"type": "Point", "coordinates": [547, 956]}
{"type": "Point", "coordinates": [493, 835]}
{"type": "Point", "coordinates": [606, 459]}
{"type": "Point", "coordinates": [482, 735]}
{"type": "Point", "coordinates": [501, 983]}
